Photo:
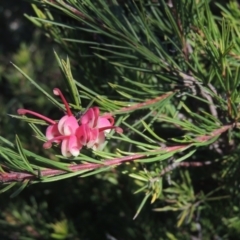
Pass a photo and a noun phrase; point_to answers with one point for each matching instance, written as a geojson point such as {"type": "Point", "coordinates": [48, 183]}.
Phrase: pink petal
{"type": "Point", "coordinates": [90, 117]}
{"type": "Point", "coordinates": [52, 131]}
{"type": "Point", "coordinates": [61, 124]}
{"type": "Point", "coordinates": [109, 117]}
{"type": "Point", "coordinates": [96, 116]}
{"type": "Point", "coordinates": [104, 122]}
{"type": "Point", "coordinates": [92, 137]}
{"type": "Point", "coordinates": [87, 118]}
{"type": "Point", "coordinates": [68, 125]}
{"type": "Point", "coordinates": [74, 145]}
{"type": "Point", "coordinates": [81, 134]}
{"type": "Point", "coordinates": [64, 148]}
{"type": "Point", "coordinates": [100, 141]}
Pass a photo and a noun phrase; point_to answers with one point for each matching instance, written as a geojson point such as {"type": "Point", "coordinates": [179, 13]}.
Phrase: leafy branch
{"type": "Point", "coordinates": [18, 176]}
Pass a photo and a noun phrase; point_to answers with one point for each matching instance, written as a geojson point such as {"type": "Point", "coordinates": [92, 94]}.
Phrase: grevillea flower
{"type": "Point", "coordinates": [73, 135]}
{"type": "Point", "coordinates": [62, 131]}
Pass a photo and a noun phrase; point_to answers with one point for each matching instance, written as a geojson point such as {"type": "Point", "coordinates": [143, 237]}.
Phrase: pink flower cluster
{"type": "Point", "coordinates": [72, 134]}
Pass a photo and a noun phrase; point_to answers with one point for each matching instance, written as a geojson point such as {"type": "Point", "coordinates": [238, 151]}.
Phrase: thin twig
{"type": "Point", "coordinates": [183, 164]}
{"type": "Point", "coordinates": [143, 104]}
{"type": "Point", "coordinates": [206, 95]}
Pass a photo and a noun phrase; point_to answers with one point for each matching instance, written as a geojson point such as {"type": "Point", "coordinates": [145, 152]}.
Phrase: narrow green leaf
{"type": "Point", "coordinates": [136, 176]}
{"type": "Point", "coordinates": [9, 186]}
{"type": "Point", "coordinates": [141, 205]}
{"type": "Point", "coordinates": [54, 101]}
{"type": "Point", "coordinates": [23, 156]}
{"type": "Point", "coordinates": [93, 172]}
{"type": "Point", "coordinates": [20, 189]}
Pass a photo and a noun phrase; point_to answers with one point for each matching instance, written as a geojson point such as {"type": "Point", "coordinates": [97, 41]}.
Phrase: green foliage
{"type": "Point", "coordinates": [168, 71]}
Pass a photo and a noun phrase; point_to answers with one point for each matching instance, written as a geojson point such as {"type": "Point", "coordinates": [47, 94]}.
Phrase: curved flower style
{"type": "Point", "coordinates": [73, 135]}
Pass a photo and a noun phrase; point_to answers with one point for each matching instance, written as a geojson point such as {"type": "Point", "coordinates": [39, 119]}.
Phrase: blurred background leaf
{"type": "Point", "coordinates": [124, 57]}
